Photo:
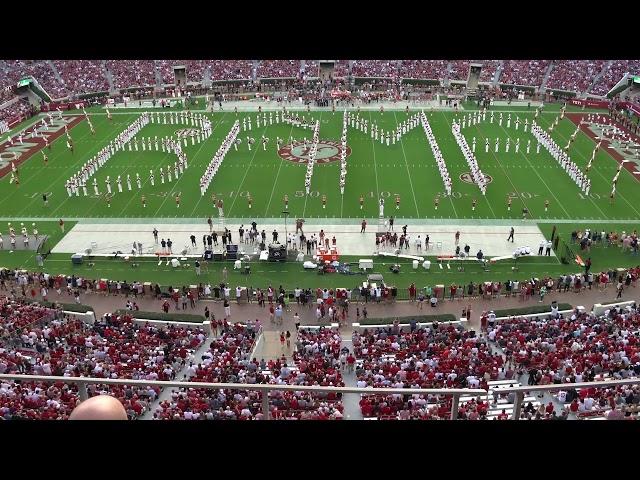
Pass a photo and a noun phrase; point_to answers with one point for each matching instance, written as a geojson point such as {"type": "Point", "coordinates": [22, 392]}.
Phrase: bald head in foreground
{"type": "Point", "coordinates": [101, 407]}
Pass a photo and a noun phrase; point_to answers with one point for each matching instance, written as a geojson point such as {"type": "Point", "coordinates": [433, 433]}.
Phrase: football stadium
{"type": "Point", "coordinates": [319, 239]}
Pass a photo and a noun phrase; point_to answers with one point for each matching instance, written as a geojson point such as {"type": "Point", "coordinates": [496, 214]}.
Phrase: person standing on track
{"type": "Point", "coordinates": [511, 232]}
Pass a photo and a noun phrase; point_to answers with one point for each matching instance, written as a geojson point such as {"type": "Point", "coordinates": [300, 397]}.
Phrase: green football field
{"type": "Point", "coordinates": [374, 170]}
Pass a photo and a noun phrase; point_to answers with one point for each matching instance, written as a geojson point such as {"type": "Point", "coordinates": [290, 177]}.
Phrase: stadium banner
{"type": "Point", "coordinates": [49, 107]}
{"type": "Point", "coordinates": [589, 103]}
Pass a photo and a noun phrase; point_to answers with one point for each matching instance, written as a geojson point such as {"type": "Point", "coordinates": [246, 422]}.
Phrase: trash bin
{"type": "Point", "coordinates": [416, 264]}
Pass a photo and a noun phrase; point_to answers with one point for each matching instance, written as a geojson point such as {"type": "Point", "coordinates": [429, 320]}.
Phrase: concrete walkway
{"type": "Point", "coordinates": [240, 313]}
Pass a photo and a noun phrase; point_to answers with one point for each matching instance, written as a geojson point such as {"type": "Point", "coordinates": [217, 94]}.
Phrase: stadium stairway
{"type": "Point", "coordinates": [165, 394]}
{"type": "Point", "coordinates": [158, 74]}
{"type": "Point", "coordinates": [496, 77]}
{"type": "Point", "coordinates": [350, 401]}
{"type": "Point", "coordinates": [108, 75]}
{"type": "Point", "coordinates": [206, 77]}
{"type": "Point", "coordinates": [270, 348]}
{"type": "Point", "coordinates": [55, 71]}
{"type": "Point", "coordinates": [599, 75]}
{"type": "Point", "coordinates": [547, 74]}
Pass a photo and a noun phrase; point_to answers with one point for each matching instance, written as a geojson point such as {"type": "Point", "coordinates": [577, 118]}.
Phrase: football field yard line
{"type": "Point", "coordinates": [599, 172]}
{"type": "Point", "coordinates": [239, 189]}
{"type": "Point", "coordinates": [275, 182]}
{"type": "Point", "coordinates": [183, 175]}
{"type": "Point", "coordinates": [66, 173]}
{"type": "Point", "coordinates": [461, 153]}
{"type": "Point", "coordinates": [541, 179]}
{"type": "Point", "coordinates": [216, 125]}
{"type": "Point", "coordinates": [406, 164]}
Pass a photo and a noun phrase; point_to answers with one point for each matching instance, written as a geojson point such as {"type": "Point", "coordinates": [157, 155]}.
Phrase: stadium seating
{"type": "Point", "coordinates": [227, 360]}
{"type": "Point", "coordinates": [40, 70]}
{"type": "Point", "coordinates": [574, 75]}
{"type": "Point", "coordinates": [614, 74]}
{"type": "Point", "coordinates": [460, 69]}
{"type": "Point", "coordinates": [42, 341]}
{"type": "Point", "coordinates": [132, 73]}
{"type": "Point", "coordinates": [82, 76]}
{"type": "Point", "coordinates": [573, 349]}
{"type": "Point", "coordinates": [524, 72]}
{"type": "Point", "coordinates": [423, 69]}
{"type": "Point", "coordinates": [278, 69]}
{"type": "Point", "coordinates": [231, 69]}
{"type": "Point", "coordinates": [17, 108]}
{"type": "Point", "coordinates": [195, 70]}
{"type": "Point", "coordinates": [311, 68]}
{"type": "Point", "coordinates": [375, 68]}
{"type": "Point", "coordinates": [6, 94]}
{"type": "Point", "coordinates": [446, 356]}
{"type": "Point", "coordinates": [341, 68]}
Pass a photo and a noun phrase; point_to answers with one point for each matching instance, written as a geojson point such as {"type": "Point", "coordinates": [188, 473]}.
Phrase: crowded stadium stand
{"type": "Point", "coordinates": [529, 359]}
{"type": "Point", "coordinates": [423, 69]}
{"type": "Point", "coordinates": [613, 74]}
{"type": "Point", "coordinates": [375, 68]}
{"type": "Point", "coordinates": [61, 78]}
{"type": "Point", "coordinates": [15, 109]}
{"type": "Point", "coordinates": [524, 72]}
{"type": "Point", "coordinates": [44, 341]}
{"type": "Point", "coordinates": [278, 69]}
{"type": "Point", "coordinates": [310, 68]}
{"type": "Point", "coordinates": [231, 69]}
{"type": "Point", "coordinates": [41, 70]}
{"type": "Point", "coordinates": [82, 76]}
{"type": "Point", "coordinates": [341, 68]}
{"type": "Point", "coordinates": [574, 75]}
{"type": "Point", "coordinates": [132, 73]}
{"type": "Point", "coordinates": [460, 69]}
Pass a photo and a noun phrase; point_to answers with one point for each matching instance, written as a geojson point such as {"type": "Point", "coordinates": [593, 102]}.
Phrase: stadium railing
{"type": "Point", "coordinates": [82, 383]}
{"type": "Point", "coordinates": [520, 391]}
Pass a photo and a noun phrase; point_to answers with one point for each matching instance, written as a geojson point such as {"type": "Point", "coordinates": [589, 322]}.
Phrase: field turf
{"type": "Point", "coordinates": [374, 170]}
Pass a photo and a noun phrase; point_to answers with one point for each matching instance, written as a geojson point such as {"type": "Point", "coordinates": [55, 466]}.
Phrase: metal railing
{"type": "Point", "coordinates": [556, 387]}
{"type": "Point", "coordinates": [82, 383]}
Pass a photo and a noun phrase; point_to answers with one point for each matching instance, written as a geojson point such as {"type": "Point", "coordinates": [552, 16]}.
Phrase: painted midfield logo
{"type": "Point", "coordinates": [467, 178]}
{"type": "Point", "coordinates": [328, 151]}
